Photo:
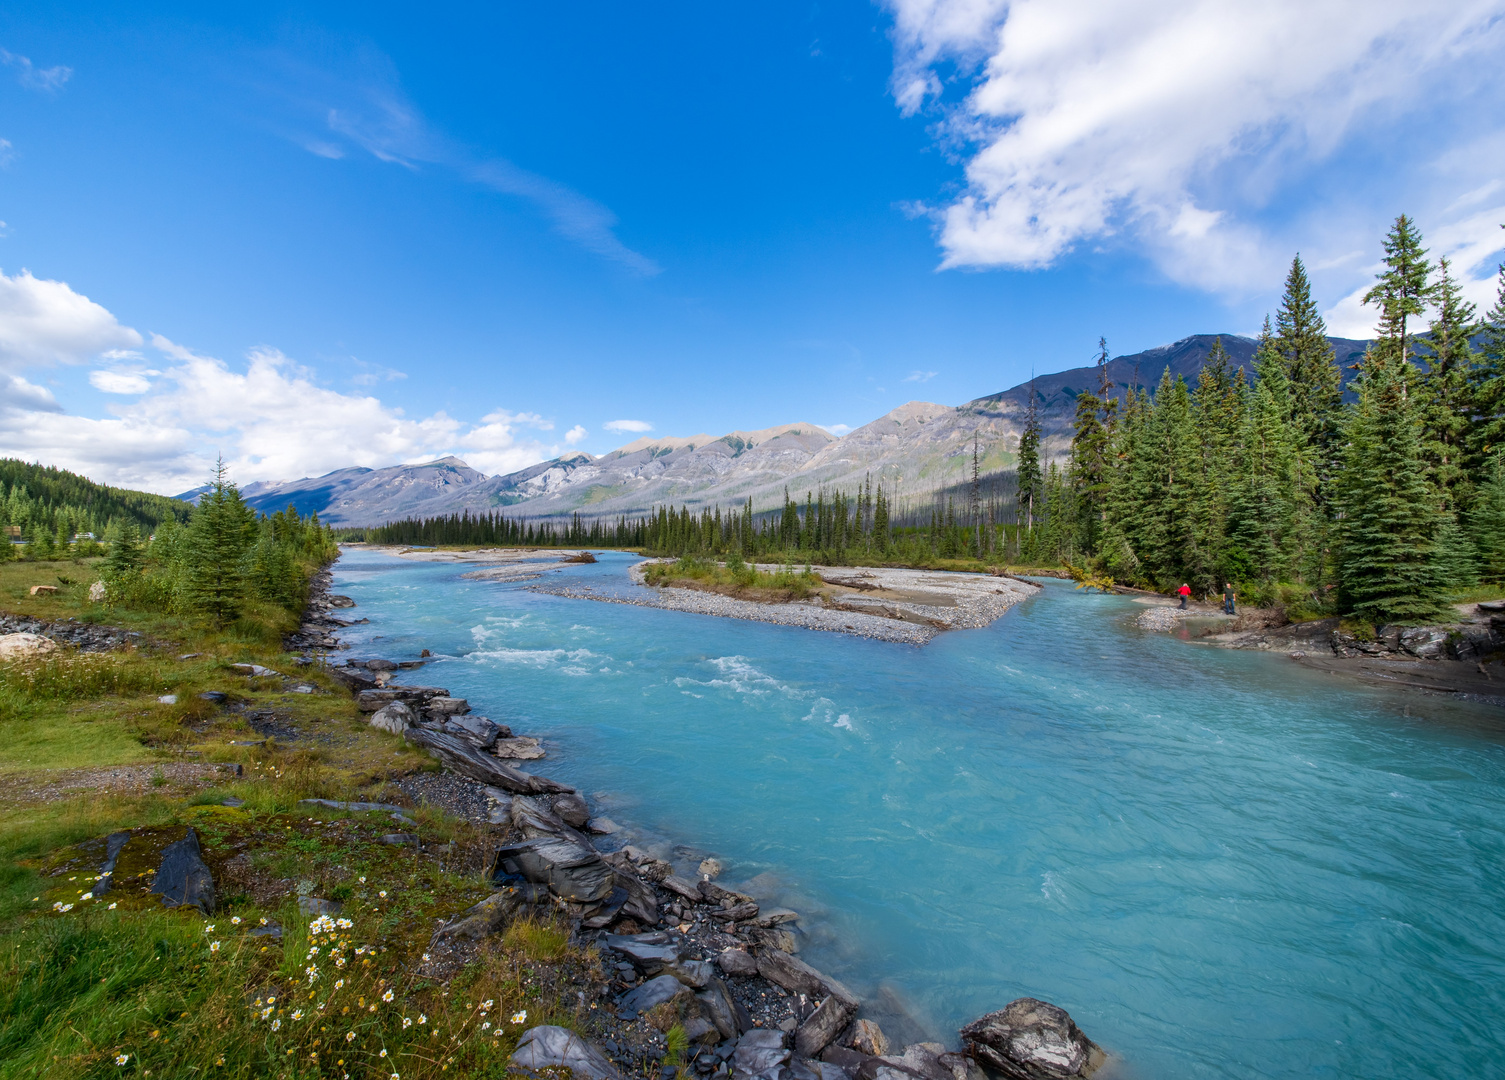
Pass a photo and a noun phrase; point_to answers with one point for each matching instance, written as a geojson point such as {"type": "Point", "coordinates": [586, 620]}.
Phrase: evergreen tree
{"type": "Point", "coordinates": [220, 531]}
{"type": "Point", "coordinates": [1457, 562]}
{"type": "Point", "coordinates": [1389, 561]}
{"type": "Point", "coordinates": [1316, 386]}
{"type": "Point", "coordinates": [1487, 521]}
{"type": "Point", "coordinates": [1263, 513]}
{"type": "Point", "coordinates": [1403, 292]}
{"type": "Point", "coordinates": [1488, 383]}
{"type": "Point", "coordinates": [126, 553]}
{"type": "Point", "coordinates": [1030, 480]}
{"type": "Point", "coordinates": [1447, 388]}
{"type": "Point", "coordinates": [1216, 406]}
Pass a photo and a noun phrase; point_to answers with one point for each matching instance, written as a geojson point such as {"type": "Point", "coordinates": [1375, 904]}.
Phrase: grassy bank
{"type": "Point", "coordinates": [735, 578]}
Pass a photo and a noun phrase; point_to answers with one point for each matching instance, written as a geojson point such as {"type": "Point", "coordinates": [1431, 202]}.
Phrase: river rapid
{"type": "Point", "coordinates": [1220, 863]}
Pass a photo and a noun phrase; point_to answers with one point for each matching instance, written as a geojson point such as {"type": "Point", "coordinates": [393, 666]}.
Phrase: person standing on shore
{"type": "Point", "coordinates": [1229, 596]}
{"type": "Point", "coordinates": [1185, 591]}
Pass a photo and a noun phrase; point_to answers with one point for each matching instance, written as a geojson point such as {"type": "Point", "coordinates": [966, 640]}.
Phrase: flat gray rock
{"type": "Point", "coordinates": [648, 957]}
{"type": "Point", "coordinates": [760, 1052]}
{"type": "Point", "coordinates": [312, 905]}
{"type": "Point", "coordinates": [570, 870]}
{"type": "Point", "coordinates": [459, 756]}
{"type": "Point", "coordinates": [652, 994]}
{"type": "Point", "coordinates": [477, 730]}
{"type": "Point", "coordinates": [547, 1047]}
{"type": "Point", "coordinates": [183, 879]}
{"type": "Point", "coordinates": [737, 962]}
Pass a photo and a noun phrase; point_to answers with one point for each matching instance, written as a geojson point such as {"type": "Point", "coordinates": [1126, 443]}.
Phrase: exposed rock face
{"type": "Point", "coordinates": [395, 718]}
{"type": "Point", "coordinates": [1031, 1040]}
{"type": "Point", "coordinates": [549, 1047]}
{"type": "Point", "coordinates": [476, 730]}
{"type": "Point", "coordinates": [652, 994]}
{"type": "Point", "coordinates": [183, 879]}
{"type": "Point", "coordinates": [569, 870]}
{"type": "Point", "coordinates": [868, 1038]}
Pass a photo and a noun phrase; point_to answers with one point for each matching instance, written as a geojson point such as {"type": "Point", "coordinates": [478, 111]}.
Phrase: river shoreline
{"type": "Point", "coordinates": [664, 901]}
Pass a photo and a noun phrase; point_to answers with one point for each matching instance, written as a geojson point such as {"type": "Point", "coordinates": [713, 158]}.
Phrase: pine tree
{"type": "Point", "coordinates": [1389, 561]}
{"type": "Point", "coordinates": [220, 531]}
{"type": "Point", "coordinates": [1487, 519]}
{"type": "Point", "coordinates": [1403, 291]}
{"type": "Point", "coordinates": [1029, 478]}
{"type": "Point", "coordinates": [1488, 383]}
{"type": "Point", "coordinates": [1447, 388]}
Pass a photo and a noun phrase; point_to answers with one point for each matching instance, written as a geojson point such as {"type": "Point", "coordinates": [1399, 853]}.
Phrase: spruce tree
{"type": "Point", "coordinates": [1030, 481]}
{"type": "Point", "coordinates": [1487, 519]}
{"type": "Point", "coordinates": [125, 552]}
{"type": "Point", "coordinates": [1389, 561]}
{"type": "Point", "coordinates": [1316, 386]}
{"type": "Point", "coordinates": [1403, 292]}
{"type": "Point", "coordinates": [220, 531]}
{"type": "Point", "coordinates": [1488, 383]}
{"type": "Point", "coordinates": [1447, 387]}
{"type": "Point", "coordinates": [1216, 408]}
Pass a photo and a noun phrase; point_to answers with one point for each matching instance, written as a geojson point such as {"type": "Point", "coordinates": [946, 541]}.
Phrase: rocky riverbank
{"type": "Point", "coordinates": [1465, 658]}
{"type": "Point", "coordinates": [684, 950]}
{"type": "Point", "coordinates": [906, 606]}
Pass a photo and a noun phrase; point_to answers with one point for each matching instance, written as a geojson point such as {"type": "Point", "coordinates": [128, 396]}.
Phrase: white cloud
{"type": "Point", "coordinates": [575, 435]}
{"type": "Point", "coordinates": [119, 382]}
{"type": "Point", "coordinates": [1168, 121]}
{"type": "Point", "coordinates": [920, 376]}
{"type": "Point", "coordinates": [837, 429]}
{"type": "Point", "coordinates": [45, 322]}
{"type": "Point", "coordinates": [628, 425]}
{"type": "Point", "coordinates": [33, 77]}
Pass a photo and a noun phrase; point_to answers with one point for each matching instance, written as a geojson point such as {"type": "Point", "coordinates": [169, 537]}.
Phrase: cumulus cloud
{"type": "Point", "coordinates": [837, 429]}
{"type": "Point", "coordinates": [920, 376]}
{"type": "Point", "coordinates": [575, 435]}
{"type": "Point", "coordinates": [1171, 123]}
{"type": "Point", "coordinates": [48, 80]}
{"type": "Point", "coordinates": [269, 417]}
{"type": "Point", "coordinates": [45, 322]}
{"type": "Point", "coordinates": [628, 425]}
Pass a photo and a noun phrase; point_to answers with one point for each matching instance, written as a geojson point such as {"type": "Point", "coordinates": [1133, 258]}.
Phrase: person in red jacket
{"type": "Point", "coordinates": [1185, 591]}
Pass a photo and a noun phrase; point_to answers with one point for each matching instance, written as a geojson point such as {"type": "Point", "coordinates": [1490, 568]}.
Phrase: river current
{"type": "Point", "coordinates": [1220, 863]}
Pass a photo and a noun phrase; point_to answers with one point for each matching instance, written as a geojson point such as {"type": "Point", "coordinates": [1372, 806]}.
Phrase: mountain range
{"type": "Point", "coordinates": [915, 450]}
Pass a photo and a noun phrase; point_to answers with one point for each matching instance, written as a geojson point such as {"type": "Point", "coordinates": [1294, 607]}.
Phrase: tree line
{"type": "Point", "coordinates": [1383, 507]}
{"type": "Point", "coordinates": [58, 513]}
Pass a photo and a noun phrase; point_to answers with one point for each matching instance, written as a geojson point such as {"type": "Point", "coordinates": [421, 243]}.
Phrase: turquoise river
{"type": "Point", "coordinates": [1222, 864]}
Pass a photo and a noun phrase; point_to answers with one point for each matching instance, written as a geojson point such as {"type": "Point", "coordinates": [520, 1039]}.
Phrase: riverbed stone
{"type": "Point", "coordinates": [693, 973]}
{"type": "Point", "coordinates": [866, 1037]}
{"type": "Point", "coordinates": [653, 993]}
{"type": "Point", "coordinates": [518, 748]}
{"type": "Point", "coordinates": [570, 870]}
{"type": "Point", "coordinates": [828, 1021]}
{"type": "Point", "coordinates": [571, 809]}
{"type": "Point", "coordinates": [395, 717]}
{"type": "Point", "coordinates": [476, 730]}
{"type": "Point", "coordinates": [649, 953]}
{"type": "Point", "coordinates": [443, 705]}
{"type": "Point", "coordinates": [1030, 1039]}
{"type": "Point", "coordinates": [550, 1047]}
{"type": "Point", "coordinates": [760, 1053]}
{"type": "Point", "coordinates": [17, 646]}
{"type": "Point", "coordinates": [460, 757]}
{"type": "Point", "coordinates": [737, 962]}
{"type": "Point", "coordinates": [183, 879]}
{"type": "Point", "coordinates": [723, 1009]}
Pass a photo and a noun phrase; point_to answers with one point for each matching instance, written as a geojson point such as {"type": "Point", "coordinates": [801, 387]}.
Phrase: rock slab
{"type": "Point", "coordinates": [183, 879]}
{"type": "Point", "coordinates": [1031, 1040]}
{"type": "Point", "coordinates": [550, 1047]}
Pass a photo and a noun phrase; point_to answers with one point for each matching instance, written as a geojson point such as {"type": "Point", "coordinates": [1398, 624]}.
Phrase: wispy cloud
{"type": "Point", "coordinates": [47, 80]}
{"type": "Point", "coordinates": [366, 108]}
{"type": "Point", "coordinates": [628, 425]}
{"type": "Point", "coordinates": [920, 376]}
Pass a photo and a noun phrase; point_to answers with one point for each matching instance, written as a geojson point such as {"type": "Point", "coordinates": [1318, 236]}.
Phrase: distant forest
{"type": "Point", "coordinates": [1383, 508]}
{"type": "Point", "coordinates": [44, 504]}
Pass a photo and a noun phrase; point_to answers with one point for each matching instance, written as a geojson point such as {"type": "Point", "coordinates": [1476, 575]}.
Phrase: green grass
{"type": "Point", "coordinates": [735, 578]}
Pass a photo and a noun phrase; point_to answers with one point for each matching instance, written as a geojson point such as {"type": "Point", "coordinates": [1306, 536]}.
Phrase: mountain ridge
{"type": "Point", "coordinates": [916, 448]}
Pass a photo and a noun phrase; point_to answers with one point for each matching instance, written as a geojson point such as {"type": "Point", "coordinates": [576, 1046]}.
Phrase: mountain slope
{"type": "Point", "coordinates": [919, 447]}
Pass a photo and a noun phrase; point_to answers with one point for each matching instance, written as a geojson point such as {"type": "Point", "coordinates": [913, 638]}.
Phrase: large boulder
{"type": "Point", "coordinates": [550, 1047]}
{"type": "Point", "coordinates": [395, 717]}
{"type": "Point", "coordinates": [737, 962]}
{"type": "Point", "coordinates": [571, 809]}
{"type": "Point", "coordinates": [476, 730]}
{"type": "Point", "coordinates": [570, 870]}
{"type": "Point", "coordinates": [459, 756]}
{"type": "Point", "coordinates": [183, 879]}
{"type": "Point", "coordinates": [534, 818]}
{"type": "Point", "coordinates": [20, 646]}
{"type": "Point", "coordinates": [1031, 1040]}
{"type": "Point", "coordinates": [649, 953]}
{"type": "Point", "coordinates": [444, 705]}
{"type": "Point", "coordinates": [520, 748]}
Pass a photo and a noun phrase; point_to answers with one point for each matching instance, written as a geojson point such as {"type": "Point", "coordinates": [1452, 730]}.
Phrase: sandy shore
{"type": "Point", "coordinates": [908, 606]}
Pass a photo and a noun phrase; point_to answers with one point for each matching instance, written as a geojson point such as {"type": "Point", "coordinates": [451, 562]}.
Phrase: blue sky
{"type": "Point", "coordinates": [312, 236]}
